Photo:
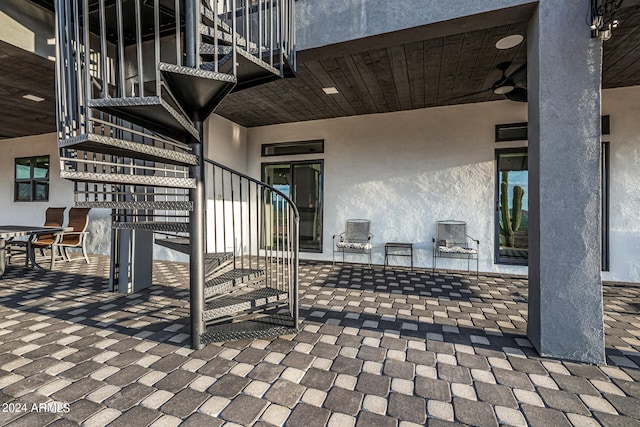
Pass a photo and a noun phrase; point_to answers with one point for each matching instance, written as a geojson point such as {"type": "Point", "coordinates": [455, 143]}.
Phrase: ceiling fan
{"type": "Point", "coordinates": [512, 86]}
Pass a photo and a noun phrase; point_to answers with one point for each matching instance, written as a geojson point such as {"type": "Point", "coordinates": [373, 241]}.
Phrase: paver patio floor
{"type": "Point", "coordinates": [376, 348]}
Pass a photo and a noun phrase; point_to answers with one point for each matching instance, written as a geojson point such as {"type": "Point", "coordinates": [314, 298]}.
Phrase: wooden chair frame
{"type": "Point", "coordinates": [79, 221]}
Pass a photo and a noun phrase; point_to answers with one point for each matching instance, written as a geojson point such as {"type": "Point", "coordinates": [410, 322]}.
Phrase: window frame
{"type": "Point", "coordinates": [519, 125]}
{"type": "Point", "coordinates": [265, 147]}
{"type": "Point", "coordinates": [605, 188]}
{"type": "Point", "coordinates": [496, 239]}
{"type": "Point", "coordinates": [291, 164]}
{"type": "Point", "coordinates": [32, 180]}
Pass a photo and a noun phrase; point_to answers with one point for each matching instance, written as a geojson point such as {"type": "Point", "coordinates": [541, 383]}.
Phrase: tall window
{"type": "Point", "coordinates": [32, 179]}
{"type": "Point", "coordinates": [512, 213]}
{"type": "Point", "coordinates": [512, 204]}
{"type": "Point", "coordinates": [302, 182]}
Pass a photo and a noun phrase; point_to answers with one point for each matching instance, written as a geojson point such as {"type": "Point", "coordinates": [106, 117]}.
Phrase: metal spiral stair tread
{"type": "Point", "coordinates": [227, 280]}
{"type": "Point", "coordinates": [151, 112]}
{"type": "Point", "coordinates": [183, 205]}
{"type": "Point", "coordinates": [114, 178]}
{"type": "Point", "coordinates": [249, 329]}
{"type": "Point", "coordinates": [168, 227]}
{"type": "Point", "coordinates": [241, 302]}
{"type": "Point", "coordinates": [119, 147]}
{"type": "Point", "coordinates": [197, 90]}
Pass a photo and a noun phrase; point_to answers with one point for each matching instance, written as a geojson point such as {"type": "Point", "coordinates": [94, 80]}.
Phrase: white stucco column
{"type": "Point", "coordinates": [564, 79]}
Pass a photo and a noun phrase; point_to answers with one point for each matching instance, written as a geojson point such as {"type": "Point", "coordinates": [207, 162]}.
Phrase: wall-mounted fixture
{"type": "Point", "coordinates": [603, 20]}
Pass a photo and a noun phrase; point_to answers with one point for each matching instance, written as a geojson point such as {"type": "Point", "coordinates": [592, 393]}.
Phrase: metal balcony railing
{"type": "Point", "coordinates": [257, 223]}
{"type": "Point", "coordinates": [113, 48]}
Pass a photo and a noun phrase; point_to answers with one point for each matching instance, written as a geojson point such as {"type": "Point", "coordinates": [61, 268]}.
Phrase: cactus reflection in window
{"type": "Point", "coordinates": [513, 204]}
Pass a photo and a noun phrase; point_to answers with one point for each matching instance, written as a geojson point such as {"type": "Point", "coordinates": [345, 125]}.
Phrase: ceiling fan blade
{"type": "Point", "coordinates": [515, 83]}
{"type": "Point", "coordinates": [470, 94]}
{"type": "Point", "coordinates": [518, 94]}
{"type": "Point", "coordinates": [519, 76]}
{"type": "Point", "coordinates": [502, 67]}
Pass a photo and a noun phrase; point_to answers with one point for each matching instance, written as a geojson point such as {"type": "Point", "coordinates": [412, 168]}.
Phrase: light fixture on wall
{"type": "Point", "coordinates": [508, 42]}
{"type": "Point", "coordinates": [603, 20]}
{"type": "Point", "coordinates": [330, 90]}
{"type": "Point", "coordinates": [33, 98]}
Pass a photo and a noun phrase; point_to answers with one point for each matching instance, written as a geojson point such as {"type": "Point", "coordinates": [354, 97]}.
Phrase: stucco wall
{"type": "Point", "coordinates": [402, 170]}
{"type": "Point", "coordinates": [226, 142]}
{"type": "Point", "coordinates": [406, 170]}
{"type": "Point", "coordinates": [60, 191]}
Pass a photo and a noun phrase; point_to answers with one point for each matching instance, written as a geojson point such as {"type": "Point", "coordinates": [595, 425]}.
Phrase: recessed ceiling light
{"type": "Point", "coordinates": [509, 41]}
{"type": "Point", "coordinates": [33, 98]}
{"type": "Point", "coordinates": [330, 90]}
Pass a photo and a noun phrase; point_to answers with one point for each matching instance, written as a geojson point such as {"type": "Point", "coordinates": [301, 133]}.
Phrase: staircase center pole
{"type": "Point", "coordinates": [196, 195]}
{"type": "Point", "coordinates": [196, 237]}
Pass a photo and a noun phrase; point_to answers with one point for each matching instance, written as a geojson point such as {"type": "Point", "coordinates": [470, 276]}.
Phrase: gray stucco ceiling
{"type": "Point", "coordinates": [413, 69]}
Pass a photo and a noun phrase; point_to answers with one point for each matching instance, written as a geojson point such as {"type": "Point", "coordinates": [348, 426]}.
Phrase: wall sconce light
{"type": "Point", "coordinates": [603, 20]}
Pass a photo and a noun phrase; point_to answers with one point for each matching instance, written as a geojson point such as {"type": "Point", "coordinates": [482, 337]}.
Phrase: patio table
{"type": "Point", "coordinates": [398, 249]}
{"type": "Point", "coordinates": [11, 231]}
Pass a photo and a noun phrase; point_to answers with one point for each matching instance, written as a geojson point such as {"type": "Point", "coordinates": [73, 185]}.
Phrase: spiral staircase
{"type": "Point", "coordinates": [135, 79]}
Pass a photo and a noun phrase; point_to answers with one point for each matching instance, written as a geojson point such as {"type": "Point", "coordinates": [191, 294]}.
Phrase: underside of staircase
{"type": "Point", "coordinates": [135, 79]}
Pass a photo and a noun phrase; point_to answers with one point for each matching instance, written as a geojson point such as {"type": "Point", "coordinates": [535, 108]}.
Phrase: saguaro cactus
{"type": "Point", "coordinates": [510, 220]}
{"type": "Point", "coordinates": [516, 214]}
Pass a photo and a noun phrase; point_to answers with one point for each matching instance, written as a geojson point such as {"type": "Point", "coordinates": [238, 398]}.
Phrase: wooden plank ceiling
{"type": "Point", "coordinates": [455, 69]}
{"type": "Point", "coordinates": [23, 73]}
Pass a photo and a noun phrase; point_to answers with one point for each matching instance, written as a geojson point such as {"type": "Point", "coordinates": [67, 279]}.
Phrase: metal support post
{"type": "Point", "coordinates": [196, 195]}
{"type": "Point", "coordinates": [191, 31]}
{"type": "Point", "coordinates": [196, 237]}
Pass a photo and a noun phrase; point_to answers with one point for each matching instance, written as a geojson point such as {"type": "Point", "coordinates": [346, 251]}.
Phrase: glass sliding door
{"type": "Point", "coordinates": [302, 182]}
{"type": "Point", "coordinates": [512, 207]}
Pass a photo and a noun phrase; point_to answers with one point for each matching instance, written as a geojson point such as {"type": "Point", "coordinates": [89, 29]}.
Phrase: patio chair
{"type": "Point", "coordinates": [53, 217]}
{"type": "Point", "coordinates": [354, 239]}
{"type": "Point", "coordinates": [78, 221]}
{"type": "Point", "coordinates": [452, 241]}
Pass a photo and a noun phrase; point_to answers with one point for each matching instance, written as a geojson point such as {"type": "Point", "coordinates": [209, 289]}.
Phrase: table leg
{"type": "Point", "coordinates": [31, 257]}
{"type": "Point", "coordinates": [386, 254]}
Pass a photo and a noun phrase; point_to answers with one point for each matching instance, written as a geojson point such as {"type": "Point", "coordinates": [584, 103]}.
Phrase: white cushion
{"type": "Point", "coordinates": [456, 250]}
{"type": "Point", "coordinates": [354, 245]}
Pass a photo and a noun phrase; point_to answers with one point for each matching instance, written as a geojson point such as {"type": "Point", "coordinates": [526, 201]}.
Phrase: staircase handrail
{"type": "Point", "coordinates": [296, 213]}
{"type": "Point", "coordinates": [294, 249]}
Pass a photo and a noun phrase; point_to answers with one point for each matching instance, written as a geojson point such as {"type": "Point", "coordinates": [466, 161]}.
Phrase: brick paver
{"type": "Point", "coordinates": [375, 348]}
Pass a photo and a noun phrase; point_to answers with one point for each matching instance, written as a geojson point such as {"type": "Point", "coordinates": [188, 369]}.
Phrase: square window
{"type": "Point", "coordinates": [32, 179]}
